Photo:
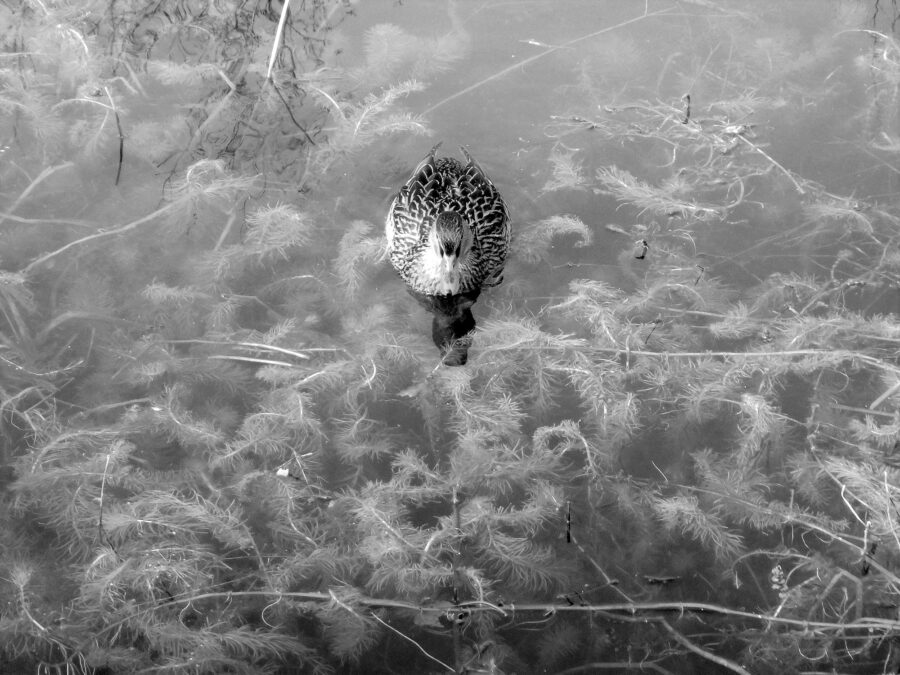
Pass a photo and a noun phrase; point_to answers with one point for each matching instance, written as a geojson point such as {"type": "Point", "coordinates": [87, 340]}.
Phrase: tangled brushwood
{"type": "Point", "coordinates": [227, 444]}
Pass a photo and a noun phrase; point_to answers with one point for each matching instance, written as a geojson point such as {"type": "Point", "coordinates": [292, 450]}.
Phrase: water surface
{"type": "Point", "coordinates": [228, 444]}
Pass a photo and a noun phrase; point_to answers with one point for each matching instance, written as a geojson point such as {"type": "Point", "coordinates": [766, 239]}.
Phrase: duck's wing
{"type": "Point", "coordinates": [424, 180]}
{"type": "Point", "coordinates": [487, 212]}
{"type": "Point", "coordinates": [412, 209]}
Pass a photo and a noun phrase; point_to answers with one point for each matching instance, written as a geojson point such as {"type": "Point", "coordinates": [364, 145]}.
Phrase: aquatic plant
{"type": "Point", "coordinates": [224, 448]}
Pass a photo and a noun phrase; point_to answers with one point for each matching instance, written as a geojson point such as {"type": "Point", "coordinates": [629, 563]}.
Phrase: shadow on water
{"type": "Point", "coordinates": [452, 324]}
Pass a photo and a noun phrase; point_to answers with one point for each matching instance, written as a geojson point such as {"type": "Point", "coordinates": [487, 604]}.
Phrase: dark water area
{"type": "Point", "coordinates": [229, 442]}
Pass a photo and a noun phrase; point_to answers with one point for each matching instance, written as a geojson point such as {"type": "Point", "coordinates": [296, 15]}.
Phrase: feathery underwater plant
{"type": "Point", "coordinates": [223, 452]}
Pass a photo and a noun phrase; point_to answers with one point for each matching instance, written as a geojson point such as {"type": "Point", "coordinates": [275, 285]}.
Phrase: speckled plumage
{"type": "Point", "coordinates": [475, 242]}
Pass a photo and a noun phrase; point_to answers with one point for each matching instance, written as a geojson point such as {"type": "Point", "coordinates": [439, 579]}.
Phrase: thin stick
{"type": "Point", "coordinates": [44, 221]}
{"type": "Point", "coordinates": [843, 354]}
{"type": "Point", "coordinates": [787, 173]}
{"type": "Point", "coordinates": [864, 411]}
{"type": "Point", "coordinates": [276, 41]}
{"type": "Point", "coordinates": [23, 606]}
{"type": "Point", "coordinates": [881, 399]}
{"type": "Point", "coordinates": [290, 112]}
{"type": "Point", "coordinates": [43, 175]}
{"type": "Point", "coordinates": [887, 512]}
{"type": "Point", "coordinates": [682, 640]}
{"type": "Point", "coordinates": [626, 608]}
{"type": "Point", "coordinates": [457, 524]}
{"type": "Point", "coordinates": [121, 135]}
{"type": "Point", "coordinates": [258, 345]}
{"type": "Point", "coordinates": [100, 235]}
{"type": "Point", "coordinates": [269, 348]}
{"type": "Point", "coordinates": [331, 100]}
{"type": "Point", "coordinates": [248, 359]}
{"type": "Point", "coordinates": [609, 581]}
{"type": "Point", "coordinates": [113, 406]}
{"type": "Point", "coordinates": [546, 52]}
{"type": "Point", "coordinates": [614, 665]}
{"type": "Point", "coordinates": [101, 534]}
{"type": "Point", "coordinates": [232, 219]}
{"type": "Point", "coordinates": [75, 315]}
{"type": "Point", "coordinates": [409, 639]}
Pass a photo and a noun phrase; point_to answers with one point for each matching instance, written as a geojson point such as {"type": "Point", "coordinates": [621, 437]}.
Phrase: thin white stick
{"type": "Point", "coordinates": [99, 235]}
{"type": "Point", "coordinates": [46, 173]}
{"type": "Point", "coordinates": [887, 510]}
{"type": "Point", "coordinates": [881, 399]}
{"type": "Point", "coordinates": [409, 639]}
{"type": "Point", "coordinates": [790, 176]}
{"type": "Point", "coordinates": [276, 41]}
{"type": "Point", "coordinates": [102, 488]}
{"type": "Point", "coordinates": [531, 59]}
{"type": "Point", "coordinates": [249, 359]}
{"type": "Point", "coordinates": [682, 640]}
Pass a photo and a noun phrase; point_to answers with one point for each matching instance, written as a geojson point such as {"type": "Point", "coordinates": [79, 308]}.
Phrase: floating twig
{"type": "Point", "coordinates": [43, 175]}
{"type": "Point", "coordinates": [709, 656]}
{"type": "Point", "coordinates": [248, 359]}
{"type": "Point", "coordinates": [531, 59]}
{"type": "Point", "coordinates": [608, 580]}
{"type": "Point", "coordinates": [44, 221]}
{"type": "Point", "coordinates": [101, 235]}
{"type": "Point", "coordinates": [115, 110]}
{"type": "Point", "coordinates": [100, 531]}
{"type": "Point", "coordinates": [774, 162]}
{"type": "Point", "coordinates": [623, 609]}
{"type": "Point", "coordinates": [232, 219]}
{"type": "Point", "coordinates": [881, 399]}
{"type": "Point", "coordinates": [260, 346]}
{"type": "Point", "coordinates": [409, 639]}
{"type": "Point", "coordinates": [656, 323]}
{"type": "Point", "coordinates": [456, 501]}
{"type": "Point", "coordinates": [276, 41]}
{"type": "Point", "coordinates": [890, 518]}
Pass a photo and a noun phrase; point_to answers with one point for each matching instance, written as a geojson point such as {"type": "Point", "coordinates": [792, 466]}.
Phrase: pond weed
{"type": "Point", "coordinates": [215, 419]}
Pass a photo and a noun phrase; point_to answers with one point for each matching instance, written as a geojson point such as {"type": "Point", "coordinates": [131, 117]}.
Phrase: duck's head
{"type": "Point", "coordinates": [448, 236]}
{"type": "Point", "coordinates": [449, 243]}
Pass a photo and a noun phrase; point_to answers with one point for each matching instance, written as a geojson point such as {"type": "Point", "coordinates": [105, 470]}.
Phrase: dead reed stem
{"type": "Point", "coordinates": [101, 234]}
{"type": "Point", "coordinates": [833, 353]}
{"type": "Point", "coordinates": [457, 637]}
{"type": "Point", "coordinates": [279, 35]}
{"type": "Point", "coordinates": [778, 166]}
{"type": "Point", "coordinates": [615, 665]}
{"type": "Point", "coordinates": [531, 59]}
{"type": "Point", "coordinates": [626, 609]}
{"type": "Point", "coordinates": [409, 639]}
{"type": "Point", "coordinates": [43, 175]}
{"type": "Point", "coordinates": [709, 656]}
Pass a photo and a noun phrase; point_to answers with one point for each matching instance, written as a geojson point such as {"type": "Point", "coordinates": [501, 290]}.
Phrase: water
{"type": "Point", "coordinates": [228, 443]}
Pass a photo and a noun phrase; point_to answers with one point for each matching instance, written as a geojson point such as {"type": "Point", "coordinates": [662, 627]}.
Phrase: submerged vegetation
{"type": "Point", "coordinates": [227, 444]}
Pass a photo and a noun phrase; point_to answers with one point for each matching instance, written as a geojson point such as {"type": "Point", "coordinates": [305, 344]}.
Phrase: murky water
{"type": "Point", "coordinates": [228, 443]}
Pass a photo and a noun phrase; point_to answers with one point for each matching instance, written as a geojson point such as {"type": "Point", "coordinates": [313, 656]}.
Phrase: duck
{"type": "Point", "coordinates": [448, 228]}
{"type": "Point", "coordinates": [448, 233]}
